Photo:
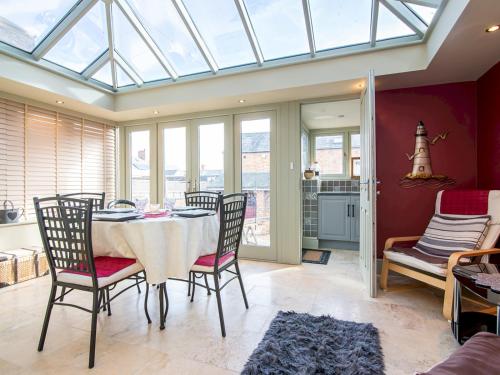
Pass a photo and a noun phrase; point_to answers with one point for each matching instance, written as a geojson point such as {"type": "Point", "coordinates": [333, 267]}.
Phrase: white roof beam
{"type": "Point", "coordinates": [134, 76]}
{"type": "Point", "coordinates": [425, 3]}
{"type": "Point", "coordinates": [374, 23]}
{"type": "Point", "coordinates": [143, 33]}
{"type": "Point", "coordinates": [96, 65]}
{"type": "Point", "coordinates": [406, 16]}
{"type": "Point", "coordinates": [62, 28]}
{"type": "Point", "coordinates": [188, 21]}
{"type": "Point", "coordinates": [309, 27]}
{"type": "Point", "coordinates": [111, 41]}
{"type": "Point", "coordinates": [247, 24]}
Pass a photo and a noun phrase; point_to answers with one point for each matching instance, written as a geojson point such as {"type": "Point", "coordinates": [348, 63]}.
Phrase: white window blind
{"type": "Point", "coordinates": [12, 152]}
{"type": "Point", "coordinates": [43, 152]}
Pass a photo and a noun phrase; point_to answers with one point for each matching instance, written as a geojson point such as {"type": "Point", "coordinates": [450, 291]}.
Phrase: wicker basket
{"type": "Point", "coordinates": [22, 264]}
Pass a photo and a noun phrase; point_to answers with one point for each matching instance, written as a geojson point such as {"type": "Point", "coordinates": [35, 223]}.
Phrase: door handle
{"type": "Point", "coordinates": [348, 210]}
{"type": "Point", "coordinates": [352, 210]}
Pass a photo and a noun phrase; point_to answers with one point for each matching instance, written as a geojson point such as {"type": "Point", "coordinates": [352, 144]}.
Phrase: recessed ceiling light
{"type": "Point", "coordinates": [59, 102]}
{"type": "Point", "coordinates": [492, 28]}
{"type": "Point", "coordinates": [242, 100]}
{"type": "Point", "coordinates": [156, 112]}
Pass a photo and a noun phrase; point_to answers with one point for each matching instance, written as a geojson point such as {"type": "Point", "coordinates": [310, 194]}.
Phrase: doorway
{"type": "Point", "coordinates": [339, 182]}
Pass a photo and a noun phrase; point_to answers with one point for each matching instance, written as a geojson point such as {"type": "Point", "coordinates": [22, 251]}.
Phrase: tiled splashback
{"type": "Point", "coordinates": [310, 190]}
{"type": "Point", "coordinates": [341, 186]}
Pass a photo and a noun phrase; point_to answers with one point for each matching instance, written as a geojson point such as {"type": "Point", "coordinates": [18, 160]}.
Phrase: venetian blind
{"type": "Point", "coordinates": [12, 152]}
{"type": "Point", "coordinates": [43, 152]}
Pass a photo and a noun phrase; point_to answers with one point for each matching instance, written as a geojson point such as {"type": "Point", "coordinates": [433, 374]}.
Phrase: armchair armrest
{"type": "Point", "coordinates": [455, 257]}
{"type": "Point", "coordinates": [392, 240]}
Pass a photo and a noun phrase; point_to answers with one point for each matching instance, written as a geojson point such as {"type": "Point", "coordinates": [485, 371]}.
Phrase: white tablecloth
{"type": "Point", "coordinates": [166, 247]}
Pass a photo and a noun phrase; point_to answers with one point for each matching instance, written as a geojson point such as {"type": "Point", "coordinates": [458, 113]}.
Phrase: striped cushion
{"type": "Point", "coordinates": [446, 235]}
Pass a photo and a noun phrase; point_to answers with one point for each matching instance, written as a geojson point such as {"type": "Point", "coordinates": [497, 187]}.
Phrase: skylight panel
{"type": "Point", "coordinates": [123, 78]}
{"type": "Point", "coordinates": [104, 75]}
{"type": "Point", "coordinates": [84, 42]}
{"type": "Point", "coordinates": [339, 23]}
{"type": "Point", "coordinates": [24, 24]}
{"type": "Point", "coordinates": [426, 14]}
{"type": "Point", "coordinates": [133, 49]}
{"type": "Point", "coordinates": [169, 32]}
{"type": "Point", "coordinates": [279, 26]}
{"type": "Point", "coordinates": [389, 26]}
{"type": "Point", "coordinates": [220, 25]}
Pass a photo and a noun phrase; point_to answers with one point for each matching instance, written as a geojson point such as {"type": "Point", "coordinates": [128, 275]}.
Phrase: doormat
{"type": "Point", "coordinates": [315, 256]}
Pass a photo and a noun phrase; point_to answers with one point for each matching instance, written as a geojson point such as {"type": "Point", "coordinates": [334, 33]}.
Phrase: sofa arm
{"type": "Point", "coordinates": [393, 240]}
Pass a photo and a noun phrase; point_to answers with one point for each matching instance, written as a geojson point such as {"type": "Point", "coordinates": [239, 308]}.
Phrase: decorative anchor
{"type": "Point", "coordinates": [421, 173]}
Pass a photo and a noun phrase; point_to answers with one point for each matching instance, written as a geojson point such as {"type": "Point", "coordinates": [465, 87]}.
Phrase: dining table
{"type": "Point", "coordinates": [166, 245]}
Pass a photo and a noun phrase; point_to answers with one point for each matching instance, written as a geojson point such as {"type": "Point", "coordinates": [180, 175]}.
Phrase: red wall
{"type": "Point", "coordinates": [488, 125]}
{"type": "Point", "coordinates": [449, 107]}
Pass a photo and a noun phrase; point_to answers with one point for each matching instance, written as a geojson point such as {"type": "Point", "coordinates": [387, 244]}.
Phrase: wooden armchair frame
{"type": "Point", "coordinates": [445, 283]}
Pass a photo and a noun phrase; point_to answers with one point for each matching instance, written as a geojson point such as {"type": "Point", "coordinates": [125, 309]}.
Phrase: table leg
{"type": "Point", "coordinates": [162, 308]}
{"type": "Point", "coordinates": [498, 320]}
{"type": "Point", "coordinates": [457, 308]}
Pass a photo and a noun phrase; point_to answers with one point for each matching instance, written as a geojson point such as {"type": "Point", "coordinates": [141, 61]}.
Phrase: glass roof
{"type": "Point", "coordinates": [25, 23]}
{"type": "Point", "coordinates": [164, 40]}
{"type": "Point", "coordinates": [339, 23]}
{"type": "Point", "coordinates": [83, 43]}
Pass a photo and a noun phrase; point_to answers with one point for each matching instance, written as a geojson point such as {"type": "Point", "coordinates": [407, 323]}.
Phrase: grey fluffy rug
{"type": "Point", "coordinates": [306, 344]}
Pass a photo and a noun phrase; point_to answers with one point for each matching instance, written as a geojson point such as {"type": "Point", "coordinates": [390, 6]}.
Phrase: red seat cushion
{"type": "Point", "coordinates": [209, 260]}
{"type": "Point", "coordinates": [106, 266]}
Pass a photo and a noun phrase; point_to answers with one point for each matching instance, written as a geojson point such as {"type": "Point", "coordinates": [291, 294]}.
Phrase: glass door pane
{"type": "Point", "coordinates": [211, 157]}
{"type": "Point", "coordinates": [175, 171]}
{"type": "Point", "coordinates": [255, 138]}
{"type": "Point", "coordinates": [140, 168]}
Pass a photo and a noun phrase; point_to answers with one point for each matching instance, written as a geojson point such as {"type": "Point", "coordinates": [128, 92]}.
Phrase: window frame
{"type": "Point", "coordinates": [346, 149]}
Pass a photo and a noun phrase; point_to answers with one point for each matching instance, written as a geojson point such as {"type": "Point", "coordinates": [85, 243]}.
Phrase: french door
{"type": "Point", "coordinates": [193, 156]}
{"type": "Point", "coordinates": [255, 174]}
{"type": "Point", "coordinates": [368, 190]}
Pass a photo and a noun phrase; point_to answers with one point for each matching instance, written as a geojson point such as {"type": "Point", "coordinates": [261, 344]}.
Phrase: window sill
{"type": "Point", "coordinates": [25, 222]}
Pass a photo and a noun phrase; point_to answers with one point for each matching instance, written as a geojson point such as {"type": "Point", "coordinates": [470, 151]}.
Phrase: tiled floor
{"type": "Point", "coordinates": [414, 335]}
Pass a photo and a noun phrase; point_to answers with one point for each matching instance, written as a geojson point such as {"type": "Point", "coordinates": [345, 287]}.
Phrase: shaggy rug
{"type": "Point", "coordinates": [306, 344]}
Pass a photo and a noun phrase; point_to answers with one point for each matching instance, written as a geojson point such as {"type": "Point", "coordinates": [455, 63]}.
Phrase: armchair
{"type": "Point", "coordinates": [436, 272]}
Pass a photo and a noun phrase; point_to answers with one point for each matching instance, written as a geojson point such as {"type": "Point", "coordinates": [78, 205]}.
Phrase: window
{"type": "Point", "coordinates": [335, 151]}
{"type": "Point", "coordinates": [43, 153]}
{"type": "Point", "coordinates": [140, 168]}
{"type": "Point", "coordinates": [304, 149]}
{"type": "Point", "coordinates": [329, 153]}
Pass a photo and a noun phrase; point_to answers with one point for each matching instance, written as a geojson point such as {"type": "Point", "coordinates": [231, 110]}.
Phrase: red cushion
{"type": "Point", "coordinates": [106, 266]}
{"type": "Point", "coordinates": [464, 202]}
{"type": "Point", "coordinates": [209, 260]}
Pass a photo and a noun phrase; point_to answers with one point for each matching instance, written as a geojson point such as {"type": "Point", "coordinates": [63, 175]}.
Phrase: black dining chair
{"type": "Point", "coordinates": [121, 202]}
{"type": "Point", "coordinates": [232, 217]}
{"type": "Point", "coordinates": [208, 200]}
{"type": "Point", "coordinates": [97, 199]}
{"type": "Point", "coordinates": [66, 229]}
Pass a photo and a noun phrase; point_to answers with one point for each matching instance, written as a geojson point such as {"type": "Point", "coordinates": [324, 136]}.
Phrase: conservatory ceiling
{"type": "Point", "coordinates": [119, 45]}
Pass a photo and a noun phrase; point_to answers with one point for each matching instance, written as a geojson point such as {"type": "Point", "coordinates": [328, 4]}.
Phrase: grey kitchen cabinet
{"type": "Point", "coordinates": [338, 216]}
{"type": "Point", "coordinates": [332, 212]}
{"type": "Point", "coordinates": [355, 218]}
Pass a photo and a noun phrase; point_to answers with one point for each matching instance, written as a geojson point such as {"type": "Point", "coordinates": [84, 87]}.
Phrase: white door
{"type": "Point", "coordinates": [368, 189]}
{"type": "Point", "coordinates": [255, 174]}
{"type": "Point", "coordinates": [194, 155]}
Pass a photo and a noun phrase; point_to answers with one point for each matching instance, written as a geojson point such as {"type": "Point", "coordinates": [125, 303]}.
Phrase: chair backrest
{"type": "Point", "coordinates": [208, 200]}
{"type": "Point", "coordinates": [124, 202]}
{"type": "Point", "coordinates": [97, 199]}
{"type": "Point", "coordinates": [232, 218]}
{"type": "Point", "coordinates": [66, 229]}
{"type": "Point", "coordinates": [464, 203]}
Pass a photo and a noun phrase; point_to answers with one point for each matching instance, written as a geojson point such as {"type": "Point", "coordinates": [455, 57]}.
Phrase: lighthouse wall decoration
{"type": "Point", "coordinates": [421, 173]}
